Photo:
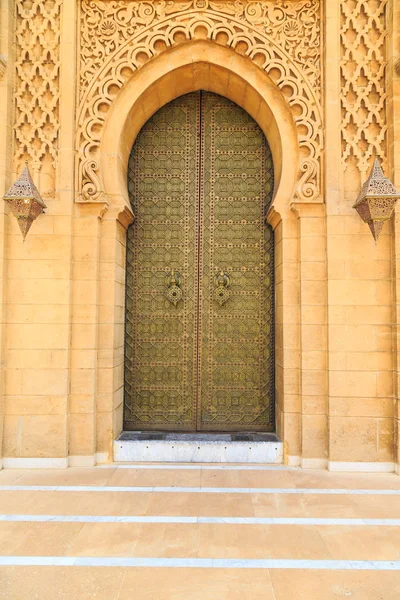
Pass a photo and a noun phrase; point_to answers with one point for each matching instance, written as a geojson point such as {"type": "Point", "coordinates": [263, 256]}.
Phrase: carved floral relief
{"type": "Point", "coordinates": [283, 37]}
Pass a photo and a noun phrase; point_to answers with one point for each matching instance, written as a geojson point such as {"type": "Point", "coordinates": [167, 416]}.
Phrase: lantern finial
{"type": "Point", "coordinates": [376, 201]}
{"type": "Point", "coordinates": [25, 201]}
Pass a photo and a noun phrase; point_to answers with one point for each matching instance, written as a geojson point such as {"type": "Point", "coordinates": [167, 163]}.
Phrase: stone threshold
{"type": "Point", "coordinates": [238, 447]}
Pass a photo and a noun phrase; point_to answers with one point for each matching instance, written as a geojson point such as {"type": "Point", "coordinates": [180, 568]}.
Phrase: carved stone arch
{"type": "Point", "coordinates": [120, 50]}
{"type": "Point", "coordinates": [224, 73]}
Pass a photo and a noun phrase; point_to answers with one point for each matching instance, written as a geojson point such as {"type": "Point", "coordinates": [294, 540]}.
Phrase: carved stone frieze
{"type": "Point", "coordinates": [37, 65]}
{"type": "Point", "coordinates": [283, 37]}
{"type": "Point", "coordinates": [363, 68]}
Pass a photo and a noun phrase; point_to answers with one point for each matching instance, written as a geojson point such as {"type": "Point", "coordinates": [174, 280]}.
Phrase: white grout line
{"type": "Point", "coordinates": [172, 467]}
{"type": "Point", "coordinates": [194, 490]}
{"type": "Point", "coordinates": [202, 563]}
{"type": "Point", "coordinates": [198, 520]}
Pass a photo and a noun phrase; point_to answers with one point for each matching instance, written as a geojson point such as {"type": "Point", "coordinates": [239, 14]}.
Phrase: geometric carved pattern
{"type": "Point", "coordinates": [160, 368]}
{"type": "Point", "coordinates": [37, 83]}
{"type": "Point", "coordinates": [200, 181]}
{"type": "Point", "coordinates": [236, 339]}
{"type": "Point", "coordinates": [363, 90]}
{"type": "Point", "coordinates": [282, 38]}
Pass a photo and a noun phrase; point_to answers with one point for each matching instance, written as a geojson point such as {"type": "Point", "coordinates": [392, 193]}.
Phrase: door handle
{"type": "Point", "coordinates": [222, 282]}
{"type": "Point", "coordinates": [174, 290]}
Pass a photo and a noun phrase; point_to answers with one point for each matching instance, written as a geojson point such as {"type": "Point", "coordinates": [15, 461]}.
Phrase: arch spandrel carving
{"type": "Point", "coordinates": [119, 37]}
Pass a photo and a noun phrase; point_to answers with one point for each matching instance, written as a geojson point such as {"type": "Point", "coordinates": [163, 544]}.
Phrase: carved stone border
{"type": "Point", "coordinates": [118, 37]}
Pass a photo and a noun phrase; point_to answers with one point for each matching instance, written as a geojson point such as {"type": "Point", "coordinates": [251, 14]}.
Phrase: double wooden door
{"type": "Point", "coordinates": [199, 340]}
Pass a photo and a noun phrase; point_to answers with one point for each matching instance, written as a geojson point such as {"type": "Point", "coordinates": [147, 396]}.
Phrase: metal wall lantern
{"type": "Point", "coordinates": [25, 201]}
{"type": "Point", "coordinates": [376, 201]}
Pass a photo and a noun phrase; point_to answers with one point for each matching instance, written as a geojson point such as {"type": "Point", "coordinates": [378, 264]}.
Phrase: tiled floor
{"type": "Point", "coordinates": [160, 532]}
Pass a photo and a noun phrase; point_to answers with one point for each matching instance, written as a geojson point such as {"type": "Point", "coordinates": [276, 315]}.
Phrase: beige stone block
{"type": "Point", "coordinates": [361, 407]}
{"type": "Point", "coordinates": [290, 292]}
{"type": "Point", "coordinates": [292, 433]}
{"type": "Point", "coordinates": [386, 440]}
{"type": "Point", "coordinates": [35, 436]}
{"type": "Point", "coordinates": [83, 359]}
{"type": "Point", "coordinates": [337, 361]}
{"type": "Point", "coordinates": [44, 336]}
{"type": "Point", "coordinates": [313, 271]}
{"type": "Point", "coordinates": [83, 381]}
{"type": "Point", "coordinates": [350, 292]}
{"type": "Point", "coordinates": [118, 419]}
{"type": "Point", "coordinates": [105, 380]}
{"type": "Point", "coordinates": [314, 383]}
{"type": "Point", "coordinates": [353, 384]}
{"type": "Point", "coordinates": [85, 248]}
{"type": "Point", "coordinates": [313, 338]}
{"type": "Point", "coordinates": [314, 360]}
{"type": "Point", "coordinates": [334, 225]}
{"type": "Point", "coordinates": [337, 314]}
{"type": "Point", "coordinates": [314, 315]}
{"type": "Point", "coordinates": [38, 269]}
{"type": "Point", "coordinates": [62, 224]}
{"type": "Point", "coordinates": [35, 405]}
{"type": "Point", "coordinates": [369, 361]}
{"type": "Point", "coordinates": [384, 338]}
{"type": "Point", "coordinates": [355, 338]}
{"type": "Point", "coordinates": [84, 314]}
{"type": "Point", "coordinates": [84, 292]}
{"type": "Point", "coordinates": [314, 405]}
{"type": "Point", "coordinates": [384, 293]}
{"type": "Point", "coordinates": [290, 250]}
{"type": "Point", "coordinates": [291, 381]}
{"type": "Point", "coordinates": [13, 381]}
{"type": "Point", "coordinates": [313, 249]}
{"type": "Point", "coordinates": [336, 269]}
{"type": "Point", "coordinates": [84, 336]}
{"type": "Point", "coordinates": [82, 434]}
{"type": "Point", "coordinates": [313, 293]}
{"type": "Point", "coordinates": [45, 381]}
{"type": "Point", "coordinates": [290, 337]}
{"type": "Point", "coordinates": [107, 293]}
{"type": "Point", "coordinates": [27, 291]}
{"type": "Point", "coordinates": [40, 246]}
{"type": "Point", "coordinates": [104, 402]}
{"type": "Point", "coordinates": [104, 432]}
{"type": "Point", "coordinates": [312, 226]}
{"type": "Point", "coordinates": [314, 436]}
{"type": "Point", "coordinates": [291, 403]}
{"type": "Point", "coordinates": [378, 269]}
{"type": "Point", "coordinates": [29, 359]}
{"type": "Point", "coordinates": [84, 269]}
{"type": "Point", "coordinates": [38, 313]}
{"type": "Point", "coordinates": [86, 227]}
{"type": "Point", "coordinates": [353, 439]}
{"type": "Point", "coordinates": [81, 403]}
{"type": "Point", "coordinates": [371, 315]}
{"type": "Point", "coordinates": [384, 384]}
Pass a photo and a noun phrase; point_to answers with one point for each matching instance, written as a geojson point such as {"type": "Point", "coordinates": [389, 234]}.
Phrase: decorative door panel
{"type": "Point", "coordinates": [236, 349]}
{"type": "Point", "coordinates": [162, 244]}
{"type": "Point", "coordinates": [200, 182]}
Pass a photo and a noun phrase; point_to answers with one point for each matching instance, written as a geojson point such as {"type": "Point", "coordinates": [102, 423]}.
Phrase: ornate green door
{"type": "Point", "coordinates": [199, 343]}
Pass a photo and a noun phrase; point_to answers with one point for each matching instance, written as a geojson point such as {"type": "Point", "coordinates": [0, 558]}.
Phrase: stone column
{"type": "Point", "coordinates": [111, 328]}
{"type": "Point", "coordinates": [393, 80]}
{"type": "Point", "coordinates": [6, 102]}
{"type": "Point", "coordinates": [287, 333]}
{"type": "Point", "coordinates": [313, 334]}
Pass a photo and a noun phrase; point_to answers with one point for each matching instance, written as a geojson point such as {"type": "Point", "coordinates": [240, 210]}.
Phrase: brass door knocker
{"type": "Point", "coordinates": [222, 283]}
{"type": "Point", "coordinates": [174, 291]}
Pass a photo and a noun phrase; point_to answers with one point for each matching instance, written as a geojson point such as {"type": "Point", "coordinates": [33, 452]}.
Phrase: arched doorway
{"type": "Point", "coordinates": [199, 339]}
